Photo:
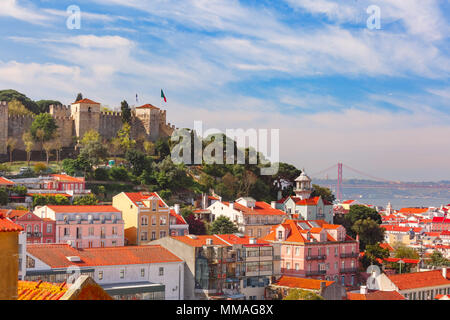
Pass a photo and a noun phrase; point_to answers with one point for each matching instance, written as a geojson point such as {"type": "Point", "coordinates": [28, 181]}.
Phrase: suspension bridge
{"type": "Point", "coordinates": [381, 183]}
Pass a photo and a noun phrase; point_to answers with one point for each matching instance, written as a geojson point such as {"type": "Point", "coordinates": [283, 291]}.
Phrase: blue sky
{"type": "Point", "coordinates": [377, 100]}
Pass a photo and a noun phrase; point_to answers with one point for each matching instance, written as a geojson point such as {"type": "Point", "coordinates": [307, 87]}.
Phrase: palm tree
{"type": "Point", "coordinates": [11, 144]}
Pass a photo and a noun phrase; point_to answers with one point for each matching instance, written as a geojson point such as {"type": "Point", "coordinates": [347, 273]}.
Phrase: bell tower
{"type": "Point", "coordinates": [303, 188]}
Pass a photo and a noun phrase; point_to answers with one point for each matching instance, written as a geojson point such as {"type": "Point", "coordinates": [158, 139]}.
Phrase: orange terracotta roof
{"type": "Point", "coordinates": [261, 208]}
{"type": "Point", "coordinates": [88, 101]}
{"type": "Point", "coordinates": [82, 209]}
{"type": "Point", "coordinates": [440, 296]}
{"type": "Point", "coordinates": [234, 239]}
{"type": "Point", "coordinates": [419, 279]}
{"type": "Point", "coordinates": [308, 202]}
{"type": "Point", "coordinates": [386, 246]}
{"type": "Point", "coordinates": [413, 210]}
{"type": "Point", "coordinates": [67, 178]}
{"type": "Point", "coordinates": [200, 241]}
{"type": "Point", "coordinates": [141, 196]}
{"type": "Point", "coordinates": [7, 225]}
{"type": "Point", "coordinates": [6, 182]}
{"type": "Point", "coordinates": [55, 255]}
{"type": "Point", "coordinates": [376, 295]}
{"type": "Point", "coordinates": [28, 290]}
{"type": "Point", "coordinates": [405, 260]}
{"type": "Point", "coordinates": [179, 217]}
{"type": "Point", "coordinates": [302, 283]}
{"type": "Point", "coordinates": [147, 106]}
{"type": "Point", "coordinates": [10, 213]}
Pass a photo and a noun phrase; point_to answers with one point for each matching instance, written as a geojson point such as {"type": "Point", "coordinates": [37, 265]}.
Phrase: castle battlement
{"type": "Point", "coordinates": [111, 114]}
{"type": "Point", "coordinates": [20, 116]}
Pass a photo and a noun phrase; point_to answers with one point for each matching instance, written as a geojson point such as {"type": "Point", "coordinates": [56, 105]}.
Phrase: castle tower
{"type": "Point", "coordinates": [150, 117]}
{"type": "Point", "coordinates": [86, 116]}
{"type": "Point", "coordinates": [303, 186]}
{"type": "Point", "coordinates": [3, 126]}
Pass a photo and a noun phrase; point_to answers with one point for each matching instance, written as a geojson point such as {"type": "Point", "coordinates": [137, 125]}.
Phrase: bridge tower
{"type": "Point", "coordinates": [339, 183]}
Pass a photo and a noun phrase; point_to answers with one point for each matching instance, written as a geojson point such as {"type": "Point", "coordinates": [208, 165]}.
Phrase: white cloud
{"type": "Point", "coordinates": [11, 8]}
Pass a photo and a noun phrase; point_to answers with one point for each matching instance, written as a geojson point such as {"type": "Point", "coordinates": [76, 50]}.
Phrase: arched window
{"type": "Point", "coordinates": [144, 220]}
{"type": "Point", "coordinates": [36, 228]}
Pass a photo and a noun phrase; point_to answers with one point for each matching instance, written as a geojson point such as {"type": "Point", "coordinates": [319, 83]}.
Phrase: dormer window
{"type": "Point", "coordinates": [280, 235]}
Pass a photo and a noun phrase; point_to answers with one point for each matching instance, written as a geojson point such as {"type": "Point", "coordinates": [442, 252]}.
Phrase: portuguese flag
{"type": "Point", "coordinates": [163, 96]}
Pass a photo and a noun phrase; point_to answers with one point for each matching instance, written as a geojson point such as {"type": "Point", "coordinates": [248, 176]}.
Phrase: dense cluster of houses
{"type": "Point", "coordinates": [140, 248]}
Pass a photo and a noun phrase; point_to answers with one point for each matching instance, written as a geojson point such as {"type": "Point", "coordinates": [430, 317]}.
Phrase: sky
{"type": "Point", "coordinates": [374, 99]}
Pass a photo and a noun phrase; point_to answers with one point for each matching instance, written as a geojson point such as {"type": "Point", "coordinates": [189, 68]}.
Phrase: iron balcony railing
{"type": "Point", "coordinates": [316, 272]}
{"type": "Point", "coordinates": [349, 255]}
{"type": "Point", "coordinates": [316, 257]}
{"type": "Point", "coordinates": [349, 270]}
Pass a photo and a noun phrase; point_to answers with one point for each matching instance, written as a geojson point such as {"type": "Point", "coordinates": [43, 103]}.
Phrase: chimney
{"type": "Point", "coordinates": [177, 208]}
{"type": "Point", "coordinates": [273, 204]}
{"type": "Point", "coordinates": [363, 290]}
{"type": "Point", "coordinates": [444, 272]}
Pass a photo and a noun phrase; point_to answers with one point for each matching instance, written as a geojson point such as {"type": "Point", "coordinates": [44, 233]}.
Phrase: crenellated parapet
{"type": "Point", "coordinates": [3, 126]}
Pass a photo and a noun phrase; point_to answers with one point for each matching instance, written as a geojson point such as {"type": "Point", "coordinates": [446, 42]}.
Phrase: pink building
{"type": "Point", "coordinates": [63, 182]}
{"type": "Point", "coordinates": [315, 249]}
{"type": "Point", "coordinates": [38, 230]}
{"type": "Point", "coordinates": [85, 226]}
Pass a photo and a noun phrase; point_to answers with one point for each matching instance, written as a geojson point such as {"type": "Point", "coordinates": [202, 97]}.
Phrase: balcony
{"type": "Point", "coordinates": [349, 270]}
{"type": "Point", "coordinates": [315, 273]}
{"type": "Point", "coordinates": [349, 255]}
{"type": "Point", "coordinates": [316, 257]}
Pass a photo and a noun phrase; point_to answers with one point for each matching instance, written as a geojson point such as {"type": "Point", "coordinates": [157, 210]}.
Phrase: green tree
{"type": "Point", "coordinates": [40, 168]}
{"type": "Point", "coordinates": [79, 97]}
{"type": "Point", "coordinates": [44, 105]}
{"type": "Point", "coordinates": [19, 190]}
{"type": "Point", "coordinates": [325, 193]}
{"type": "Point", "coordinates": [301, 294]}
{"type": "Point", "coordinates": [11, 145]}
{"type": "Point", "coordinates": [372, 254]}
{"type": "Point", "coordinates": [125, 139]}
{"type": "Point", "coordinates": [43, 128]}
{"type": "Point", "coordinates": [10, 95]}
{"type": "Point", "coordinates": [138, 161]}
{"type": "Point", "coordinates": [92, 148]}
{"type": "Point", "coordinates": [126, 112]}
{"type": "Point", "coordinates": [87, 200]}
{"type": "Point", "coordinates": [42, 200]}
{"type": "Point", "coordinates": [403, 252]}
{"type": "Point", "coordinates": [16, 108]}
{"type": "Point", "coordinates": [438, 260]}
{"type": "Point", "coordinates": [4, 197]}
{"type": "Point", "coordinates": [369, 232]}
{"type": "Point", "coordinates": [223, 225]}
{"type": "Point", "coordinates": [28, 142]}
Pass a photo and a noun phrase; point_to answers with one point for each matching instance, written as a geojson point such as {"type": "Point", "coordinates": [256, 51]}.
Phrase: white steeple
{"type": "Point", "coordinates": [303, 186]}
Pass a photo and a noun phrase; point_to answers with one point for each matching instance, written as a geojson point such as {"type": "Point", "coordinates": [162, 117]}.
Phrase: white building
{"type": "Point", "coordinates": [126, 273]}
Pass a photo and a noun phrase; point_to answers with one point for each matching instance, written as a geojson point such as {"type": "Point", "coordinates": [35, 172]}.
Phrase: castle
{"type": "Point", "coordinates": [147, 122]}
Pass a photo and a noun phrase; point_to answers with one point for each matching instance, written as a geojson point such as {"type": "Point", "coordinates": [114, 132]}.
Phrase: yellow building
{"type": "Point", "coordinates": [145, 214]}
{"type": "Point", "coordinates": [9, 258]}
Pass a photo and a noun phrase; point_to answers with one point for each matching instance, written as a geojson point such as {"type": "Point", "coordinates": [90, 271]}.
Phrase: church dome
{"type": "Point", "coordinates": [303, 177]}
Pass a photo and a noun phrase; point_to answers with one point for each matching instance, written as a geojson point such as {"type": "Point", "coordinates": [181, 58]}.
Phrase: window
{"type": "Point", "coordinates": [309, 252]}
{"type": "Point", "coordinates": [143, 236]}
{"type": "Point", "coordinates": [122, 274]}
{"type": "Point", "coordinates": [328, 252]}
{"type": "Point", "coordinates": [29, 229]}
{"type": "Point", "coordinates": [343, 280]}
{"type": "Point", "coordinates": [100, 275]}
{"type": "Point", "coordinates": [162, 220]}
{"type": "Point", "coordinates": [144, 220]}
{"type": "Point", "coordinates": [162, 234]}
{"type": "Point", "coordinates": [66, 231]}
{"type": "Point", "coordinates": [103, 233]}
{"type": "Point", "coordinates": [288, 250]}
{"type": "Point", "coordinates": [154, 205]}
{"type": "Point", "coordinates": [280, 235]}
{"type": "Point", "coordinates": [91, 231]}
{"type": "Point", "coordinates": [161, 271]}
{"type": "Point", "coordinates": [153, 221]}
{"type": "Point", "coordinates": [36, 229]}
{"type": "Point", "coordinates": [297, 266]}
{"type": "Point", "coordinates": [288, 265]}
{"type": "Point", "coordinates": [335, 266]}
{"type": "Point", "coordinates": [102, 244]}
{"type": "Point", "coordinates": [49, 228]}
{"type": "Point", "coordinates": [142, 273]}
{"type": "Point", "coordinates": [114, 230]}
{"type": "Point", "coordinates": [259, 232]}
{"type": "Point", "coordinates": [153, 235]}
{"type": "Point", "coordinates": [297, 251]}
{"type": "Point", "coordinates": [30, 262]}
{"type": "Point", "coordinates": [336, 251]}
{"type": "Point", "coordinates": [114, 243]}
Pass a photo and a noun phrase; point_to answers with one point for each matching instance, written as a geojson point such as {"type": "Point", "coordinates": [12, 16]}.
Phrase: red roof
{"type": "Point", "coordinates": [141, 196]}
{"type": "Point", "coordinates": [302, 283]}
{"type": "Point", "coordinates": [87, 101]}
{"type": "Point", "coordinates": [386, 246]}
{"type": "Point", "coordinates": [413, 210]}
{"type": "Point", "coordinates": [55, 255]}
{"type": "Point", "coordinates": [7, 225]}
{"type": "Point", "coordinates": [405, 260]}
{"type": "Point", "coordinates": [67, 178]}
{"type": "Point", "coordinates": [375, 295]}
{"type": "Point", "coordinates": [28, 290]}
{"type": "Point", "coordinates": [179, 217]}
{"type": "Point", "coordinates": [234, 239]}
{"type": "Point", "coordinates": [147, 106]}
{"type": "Point", "coordinates": [82, 209]}
{"type": "Point", "coordinates": [399, 229]}
{"type": "Point", "coordinates": [6, 182]}
{"type": "Point", "coordinates": [414, 280]}
{"type": "Point", "coordinates": [260, 208]}
{"type": "Point", "coordinates": [10, 213]}
{"type": "Point", "coordinates": [199, 241]}
{"type": "Point", "coordinates": [440, 220]}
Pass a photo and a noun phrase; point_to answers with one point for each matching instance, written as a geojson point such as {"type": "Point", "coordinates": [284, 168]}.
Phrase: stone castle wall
{"type": "Point", "coordinates": [149, 126]}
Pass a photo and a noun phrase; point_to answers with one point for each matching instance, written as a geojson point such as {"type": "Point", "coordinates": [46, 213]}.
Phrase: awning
{"type": "Point", "coordinates": [133, 288]}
